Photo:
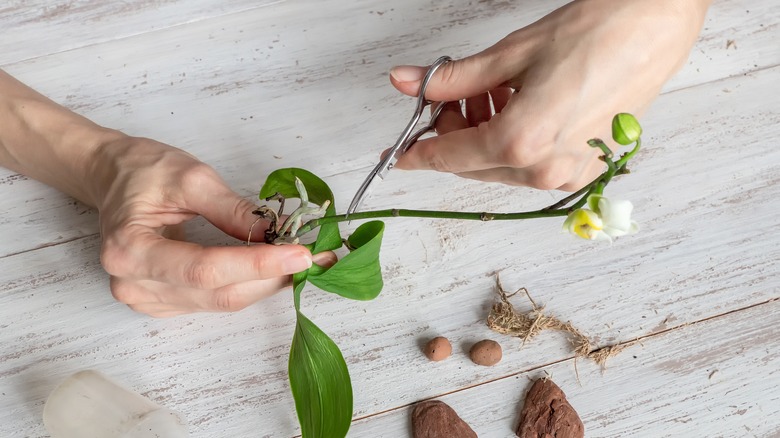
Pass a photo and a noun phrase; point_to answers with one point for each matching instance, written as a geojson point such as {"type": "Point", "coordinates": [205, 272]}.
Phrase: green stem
{"type": "Point", "coordinates": [613, 168]}
{"type": "Point", "coordinates": [563, 202]}
{"type": "Point", "coordinates": [629, 155]}
{"type": "Point", "coordinates": [556, 210]}
{"type": "Point", "coordinates": [395, 212]}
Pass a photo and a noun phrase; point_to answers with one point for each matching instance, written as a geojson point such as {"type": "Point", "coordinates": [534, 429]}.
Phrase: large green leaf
{"type": "Point", "coordinates": [282, 181]}
{"type": "Point", "coordinates": [358, 275]}
{"type": "Point", "coordinates": [320, 383]}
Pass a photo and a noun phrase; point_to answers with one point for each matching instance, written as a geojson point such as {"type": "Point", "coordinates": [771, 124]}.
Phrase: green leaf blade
{"type": "Point", "coordinates": [282, 181]}
{"type": "Point", "coordinates": [320, 383]}
{"type": "Point", "coordinates": [358, 275]}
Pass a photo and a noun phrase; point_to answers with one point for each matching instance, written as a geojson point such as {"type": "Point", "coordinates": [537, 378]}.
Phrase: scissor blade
{"type": "Point", "coordinates": [404, 142]}
{"type": "Point", "coordinates": [363, 190]}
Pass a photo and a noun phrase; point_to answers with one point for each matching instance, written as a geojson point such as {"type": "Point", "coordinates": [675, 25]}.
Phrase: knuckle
{"type": "Point", "coordinates": [114, 259]}
{"type": "Point", "coordinates": [243, 208]}
{"type": "Point", "coordinates": [198, 175]}
{"type": "Point", "coordinates": [227, 300]}
{"type": "Point", "coordinates": [573, 185]}
{"type": "Point", "coordinates": [550, 177]}
{"type": "Point", "coordinates": [450, 72]}
{"type": "Point", "coordinates": [524, 150]}
{"type": "Point", "coordinates": [124, 292]}
{"type": "Point", "coordinates": [435, 161]}
{"type": "Point", "coordinates": [201, 275]}
{"type": "Point", "coordinates": [261, 264]}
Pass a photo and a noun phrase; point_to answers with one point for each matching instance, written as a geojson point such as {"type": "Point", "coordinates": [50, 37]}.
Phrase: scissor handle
{"type": "Point", "coordinates": [402, 143]}
{"type": "Point", "coordinates": [425, 129]}
{"type": "Point", "coordinates": [405, 140]}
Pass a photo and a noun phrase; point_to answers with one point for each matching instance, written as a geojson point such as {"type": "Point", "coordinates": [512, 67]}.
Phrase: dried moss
{"type": "Point", "coordinates": [505, 319]}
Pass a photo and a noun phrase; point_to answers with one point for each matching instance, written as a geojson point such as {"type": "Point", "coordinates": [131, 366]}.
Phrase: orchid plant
{"type": "Point", "coordinates": [318, 374]}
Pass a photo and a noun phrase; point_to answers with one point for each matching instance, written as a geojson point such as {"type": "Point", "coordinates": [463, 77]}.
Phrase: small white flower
{"type": "Point", "coordinates": [584, 223]}
{"type": "Point", "coordinates": [604, 220]}
{"type": "Point", "coordinates": [616, 215]}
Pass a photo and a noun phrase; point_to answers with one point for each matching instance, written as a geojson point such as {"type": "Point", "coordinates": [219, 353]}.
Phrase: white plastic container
{"type": "Point", "coordinates": [90, 405]}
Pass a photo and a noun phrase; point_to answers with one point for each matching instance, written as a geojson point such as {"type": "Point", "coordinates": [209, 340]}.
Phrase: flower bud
{"type": "Point", "coordinates": [625, 129]}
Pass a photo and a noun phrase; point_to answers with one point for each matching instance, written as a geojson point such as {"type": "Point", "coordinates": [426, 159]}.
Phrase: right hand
{"type": "Point", "coordinates": [571, 72]}
{"type": "Point", "coordinates": [144, 190]}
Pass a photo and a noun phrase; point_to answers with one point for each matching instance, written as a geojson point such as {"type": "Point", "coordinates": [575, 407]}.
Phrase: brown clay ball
{"type": "Point", "coordinates": [438, 348]}
{"type": "Point", "coordinates": [486, 352]}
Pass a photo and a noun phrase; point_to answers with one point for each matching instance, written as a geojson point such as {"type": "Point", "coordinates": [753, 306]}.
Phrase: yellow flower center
{"type": "Point", "coordinates": [585, 222]}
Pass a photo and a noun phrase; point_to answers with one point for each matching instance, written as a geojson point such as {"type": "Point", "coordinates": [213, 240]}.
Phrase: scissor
{"type": "Point", "coordinates": [406, 140]}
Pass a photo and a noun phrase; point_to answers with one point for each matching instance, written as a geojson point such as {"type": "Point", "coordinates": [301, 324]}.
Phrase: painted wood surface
{"type": "Point", "coordinates": [241, 89]}
{"type": "Point", "coordinates": [218, 88]}
{"type": "Point", "coordinates": [36, 28]}
{"type": "Point", "coordinates": [720, 377]}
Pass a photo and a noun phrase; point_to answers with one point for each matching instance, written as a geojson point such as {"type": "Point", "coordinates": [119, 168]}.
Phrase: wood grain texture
{"type": "Point", "coordinates": [704, 250]}
{"type": "Point", "coordinates": [41, 27]}
{"type": "Point", "coordinates": [290, 79]}
{"type": "Point", "coordinates": [717, 378]}
{"type": "Point", "coordinates": [293, 81]}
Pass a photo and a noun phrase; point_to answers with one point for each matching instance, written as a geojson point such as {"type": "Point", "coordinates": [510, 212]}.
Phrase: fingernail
{"type": "Point", "coordinates": [297, 262]}
{"type": "Point", "coordinates": [325, 259]}
{"type": "Point", "coordinates": [408, 73]}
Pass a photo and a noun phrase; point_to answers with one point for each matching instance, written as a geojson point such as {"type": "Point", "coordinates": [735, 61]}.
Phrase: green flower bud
{"type": "Point", "coordinates": [625, 129]}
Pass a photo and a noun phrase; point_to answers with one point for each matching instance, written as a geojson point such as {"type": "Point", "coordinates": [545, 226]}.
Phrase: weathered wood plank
{"type": "Point", "coordinates": [719, 378]}
{"type": "Point", "coordinates": [35, 28]}
{"type": "Point", "coordinates": [701, 186]}
{"type": "Point", "coordinates": [290, 81]}
{"type": "Point", "coordinates": [708, 246]}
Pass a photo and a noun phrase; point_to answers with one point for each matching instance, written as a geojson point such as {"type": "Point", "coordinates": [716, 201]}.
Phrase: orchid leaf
{"type": "Point", "coordinates": [282, 181]}
{"type": "Point", "coordinates": [358, 275]}
{"type": "Point", "coordinates": [320, 383]}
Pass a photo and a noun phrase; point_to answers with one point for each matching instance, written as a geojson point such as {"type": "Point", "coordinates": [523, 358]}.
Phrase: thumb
{"type": "Point", "coordinates": [458, 79]}
{"type": "Point", "coordinates": [227, 211]}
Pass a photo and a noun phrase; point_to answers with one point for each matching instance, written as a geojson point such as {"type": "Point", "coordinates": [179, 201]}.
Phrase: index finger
{"type": "Point", "coordinates": [153, 257]}
{"type": "Point", "coordinates": [517, 137]}
{"type": "Point", "coordinates": [460, 150]}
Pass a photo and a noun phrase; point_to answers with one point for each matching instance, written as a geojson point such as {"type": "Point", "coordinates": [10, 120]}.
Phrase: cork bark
{"type": "Point", "coordinates": [547, 414]}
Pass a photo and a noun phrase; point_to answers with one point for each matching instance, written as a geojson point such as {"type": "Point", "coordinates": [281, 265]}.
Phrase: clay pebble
{"type": "Point", "coordinates": [486, 353]}
{"type": "Point", "coordinates": [438, 348]}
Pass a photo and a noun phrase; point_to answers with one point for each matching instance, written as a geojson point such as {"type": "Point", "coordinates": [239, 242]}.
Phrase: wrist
{"type": "Point", "coordinates": [46, 141]}
{"type": "Point", "coordinates": [65, 150]}
{"type": "Point", "coordinates": [94, 167]}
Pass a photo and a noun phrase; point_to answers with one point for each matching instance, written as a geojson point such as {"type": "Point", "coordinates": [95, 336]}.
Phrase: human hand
{"type": "Point", "coordinates": [571, 72]}
{"type": "Point", "coordinates": [144, 190]}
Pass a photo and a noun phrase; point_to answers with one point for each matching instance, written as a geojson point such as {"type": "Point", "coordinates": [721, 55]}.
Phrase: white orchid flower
{"type": "Point", "coordinates": [605, 220]}
{"type": "Point", "coordinates": [584, 223]}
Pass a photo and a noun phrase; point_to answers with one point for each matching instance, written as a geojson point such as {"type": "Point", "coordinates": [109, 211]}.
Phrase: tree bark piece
{"type": "Point", "coordinates": [435, 419]}
{"type": "Point", "coordinates": [547, 414]}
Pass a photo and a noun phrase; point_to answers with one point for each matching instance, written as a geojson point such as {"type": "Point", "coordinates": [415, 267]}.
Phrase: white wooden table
{"type": "Point", "coordinates": [252, 86]}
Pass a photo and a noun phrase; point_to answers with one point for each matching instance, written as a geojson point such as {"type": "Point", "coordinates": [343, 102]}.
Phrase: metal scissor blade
{"type": "Point", "coordinates": [384, 165]}
{"type": "Point", "coordinates": [388, 162]}
{"type": "Point", "coordinates": [363, 191]}
{"type": "Point", "coordinates": [405, 140]}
